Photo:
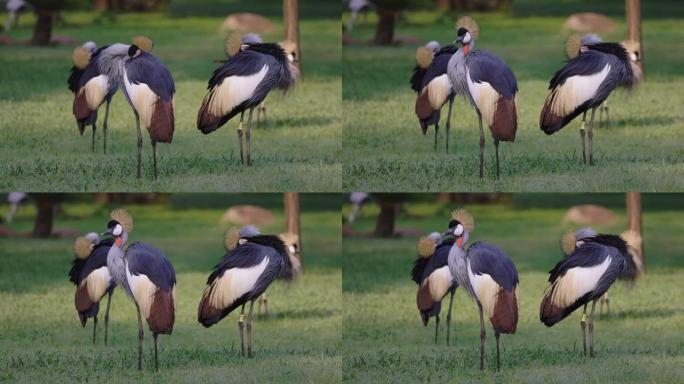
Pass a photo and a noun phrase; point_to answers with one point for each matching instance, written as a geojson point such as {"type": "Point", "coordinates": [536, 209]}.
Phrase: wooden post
{"type": "Point", "coordinates": [292, 222]}
{"type": "Point", "coordinates": [291, 21]}
{"type": "Point", "coordinates": [633, 18]}
{"type": "Point", "coordinates": [633, 202]}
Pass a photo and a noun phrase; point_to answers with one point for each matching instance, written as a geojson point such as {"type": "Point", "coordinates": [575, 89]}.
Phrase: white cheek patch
{"type": "Point", "coordinates": [466, 38]}
{"type": "Point", "coordinates": [117, 230]}
{"type": "Point", "coordinates": [459, 230]}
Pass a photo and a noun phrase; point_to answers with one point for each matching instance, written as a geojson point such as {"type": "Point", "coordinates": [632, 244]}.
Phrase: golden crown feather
{"type": "Point", "coordinates": [573, 45]}
{"type": "Point", "coordinates": [288, 46]}
{"type": "Point", "coordinates": [568, 242]}
{"type": "Point", "coordinates": [465, 218]}
{"type": "Point", "coordinates": [81, 57]}
{"type": "Point", "coordinates": [424, 57]}
{"type": "Point", "coordinates": [144, 43]}
{"type": "Point", "coordinates": [632, 46]}
{"type": "Point", "coordinates": [82, 247]}
{"type": "Point", "coordinates": [231, 239]}
{"type": "Point", "coordinates": [123, 218]}
{"type": "Point", "coordinates": [289, 238]}
{"type": "Point", "coordinates": [425, 247]}
{"type": "Point", "coordinates": [470, 24]}
{"type": "Point", "coordinates": [232, 44]}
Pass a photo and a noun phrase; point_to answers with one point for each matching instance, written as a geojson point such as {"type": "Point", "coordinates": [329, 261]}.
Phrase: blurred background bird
{"type": "Point", "coordinates": [358, 7]}
{"type": "Point", "coordinates": [431, 273]}
{"type": "Point", "coordinates": [241, 84]}
{"type": "Point", "coordinates": [253, 262]}
{"type": "Point", "coordinates": [488, 83]}
{"type": "Point", "coordinates": [488, 275]}
{"type": "Point", "coordinates": [431, 82]}
{"type": "Point", "coordinates": [148, 278]}
{"type": "Point", "coordinates": [572, 240]}
{"type": "Point", "coordinates": [585, 275]}
{"type": "Point", "coordinates": [583, 84]}
{"type": "Point", "coordinates": [149, 89]}
{"type": "Point", "coordinates": [90, 274]}
{"type": "Point", "coordinates": [92, 84]}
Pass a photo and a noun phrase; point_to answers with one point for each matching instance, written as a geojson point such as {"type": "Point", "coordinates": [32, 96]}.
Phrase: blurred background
{"type": "Point", "coordinates": [383, 329]}
{"type": "Point", "coordinates": [42, 338]}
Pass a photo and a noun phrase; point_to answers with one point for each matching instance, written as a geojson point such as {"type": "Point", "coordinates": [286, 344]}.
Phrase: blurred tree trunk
{"type": "Point", "coordinates": [479, 5]}
{"type": "Point", "coordinates": [384, 31]}
{"type": "Point", "coordinates": [633, 202]}
{"type": "Point", "coordinates": [633, 16]}
{"type": "Point", "coordinates": [291, 19]}
{"type": "Point", "coordinates": [42, 29]}
{"type": "Point", "coordinates": [46, 204]}
{"type": "Point", "coordinates": [444, 5]}
{"type": "Point", "coordinates": [102, 5]}
{"type": "Point", "coordinates": [292, 221]}
{"type": "Point", "coordinates": [384, 225]}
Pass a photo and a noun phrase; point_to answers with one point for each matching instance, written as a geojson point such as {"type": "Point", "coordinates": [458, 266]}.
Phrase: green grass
{"type": "Point", "coordinates": [297, 149]}
{"type": "Point", "coordinates": [384, 340]}
{"type": "Point", "coordinates": [384, 150]}
{"type": "Point", "coordinates": [42, 340]}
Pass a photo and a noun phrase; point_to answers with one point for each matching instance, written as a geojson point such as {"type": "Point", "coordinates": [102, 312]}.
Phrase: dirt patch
{"type": "Point", "coordinates": [247, 214]}
{"type": "Point", "coordinates": [247, 22]}
{"type": "Point", "coordinates": [589, 22]}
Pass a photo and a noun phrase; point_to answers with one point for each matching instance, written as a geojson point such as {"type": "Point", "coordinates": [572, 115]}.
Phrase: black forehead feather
{"type": "Point", "coordinates": [454, 223]}
{"type": "Point", "coordinates": [462, 31]}
{"type": "Point", "coordinates": [112, 223]}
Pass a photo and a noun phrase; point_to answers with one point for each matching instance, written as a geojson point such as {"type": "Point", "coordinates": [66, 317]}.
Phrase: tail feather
{"type": "Point", "coordinates": [505, 316]}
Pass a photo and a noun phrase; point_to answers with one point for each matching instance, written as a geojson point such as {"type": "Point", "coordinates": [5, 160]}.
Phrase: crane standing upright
{"type": "Point", "coordinates": [487, 275]}
{"type": "Point", "coordinates": [148, 278]}
{"type": "Point", "coordinates": [488, 83]}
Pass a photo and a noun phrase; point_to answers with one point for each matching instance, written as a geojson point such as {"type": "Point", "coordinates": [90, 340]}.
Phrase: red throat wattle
{"type": "Point", "coordinates": [459, 242]}
{"type": "Point", "coordinates": [118, 241]}
{"type": "Point", "coordinates": [466, 49]}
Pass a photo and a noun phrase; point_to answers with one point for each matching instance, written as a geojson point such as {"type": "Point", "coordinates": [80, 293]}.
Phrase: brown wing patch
{"type": "Point", "coordinates": [82, 300]}
{"type": "Point", "coordinates": [505, 122]}
{"type": "Point", "coordinates": [423, 107]}
{"type": "Point", "coordinates": [505, 317]}
{"type": "Point", "coordinates": [206, 311]}
{"type": "Point", "coordinates": [205, 118]}
{"type": "Point", "coordinates": [162, 312]}
{"type": "Point", "coordinates": [548, 310]}
{"type": "Point", "coordinates": [548, 119]}
{"type": "Point", "coordinates": [424, 298]}
{"type": "Point", "coordinates": [80, 108]}
{"type": "Point", "coordinates": [162, 121]}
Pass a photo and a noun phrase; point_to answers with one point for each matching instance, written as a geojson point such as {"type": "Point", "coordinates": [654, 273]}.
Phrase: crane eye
{"type": "Point", "coordinates": [117, 230]}
{"type": "Point", "coordinates": [458, 231]}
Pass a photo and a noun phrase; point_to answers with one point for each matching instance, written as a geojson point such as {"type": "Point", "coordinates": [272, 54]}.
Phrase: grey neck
{"type": "Point", "coordinates": [458, 265]}
{"type": "Point", "coordinates": [116, 263]}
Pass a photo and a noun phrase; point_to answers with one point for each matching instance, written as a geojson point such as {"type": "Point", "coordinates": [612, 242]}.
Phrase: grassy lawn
{"type": "Point", "coordinates": [384, 340]}
{"type": "Point", "coordinates": [297, 149]}
{"type": "Point", "coordinates": [384, 151]}
{"type": "Point", "coordinates": [42, 340]}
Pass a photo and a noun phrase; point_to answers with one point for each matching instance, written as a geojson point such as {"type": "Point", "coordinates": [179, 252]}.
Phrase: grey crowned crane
{"type": "Point", "coordinates": [572, 240]}
{"type": "Point", "coordinates": [148, 278]}
{"type": "Point", "coordinates": [583, 84]}
{"type": "Point", "coordinates": [488, 83]}
{"type": "Point", "coordinates": [431, 273]}
{"type": "Point", "coordinates": [582, 277]}
{"type": "Point", "coordinates": [92, 85]}
{"type": "Point", "coordinates": [488, 275]}
{"type": "Point", "coordinates": [240, 277]}
{"type": "Point", "coordinates": [91, 276]}
{"type": "Point", "coordinates": [149, 89]}
{"type": "Point", "coordinates": [241, 84]}
{"type": "Point", "coordinates": [431, 82]}
{"type": "Point", "coordinates": [236, 43]}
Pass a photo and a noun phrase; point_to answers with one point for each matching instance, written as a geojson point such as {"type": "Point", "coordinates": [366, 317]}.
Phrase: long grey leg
{"type": "Point", "coordinates": [249, 329]}
{"type": "Point", "coordinates": [94, 328]}
{"type": "Point", "coordinates": [498, 361]}
{"type": "Point", "coordinates": [436, 132]}
{"type": "Point", "coordinates": [448, 123]}
{"type": "Point", "coordinates": [263, 296]}
{"type": "Point", "coordinates": [248, 135]}
{"type": "Point", "coordinates": [109, 302]}
{"type": "Point", "coordinates": [137, 124]}
{"type": "Point", "coordinates": [605, 296]}
{"type": "Point", "coordinates": [92, 142]}
{"type": "Point", "coordinates": [154, 157]}
{"type": "Point", "coordinates": [242, 115]}
{"type": "Point", "coordinates": [482, 144]}
{"type": "Point", "coordinates": [241, 325]}
{"type": "Point", "coordinates": [591, 329]}
{"type": "Point", "coordinates": [451, 303]}
{"type": "Point", "coordinates": [496, 145]}
{"type": "Point", "coordinates": [156, 358]}
{"type": "Point", "coordinates": [436, 327]}
{"type": "Point", "coordinates": [483, 334]}
{"type": "Point", "coordinates": [583, 324]}
{"type": "Point", "coordinates": [140, 338]}
{"type": "Point", "coordinates": [104, 127]}
{"type": "Point", "coordinates": [584, 153]}
{"type": "Point", "coordinates": [591, 137]}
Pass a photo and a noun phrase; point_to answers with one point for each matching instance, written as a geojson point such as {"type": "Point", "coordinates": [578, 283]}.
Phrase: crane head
{"type": "Point", "coordinates": [468, 30]}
